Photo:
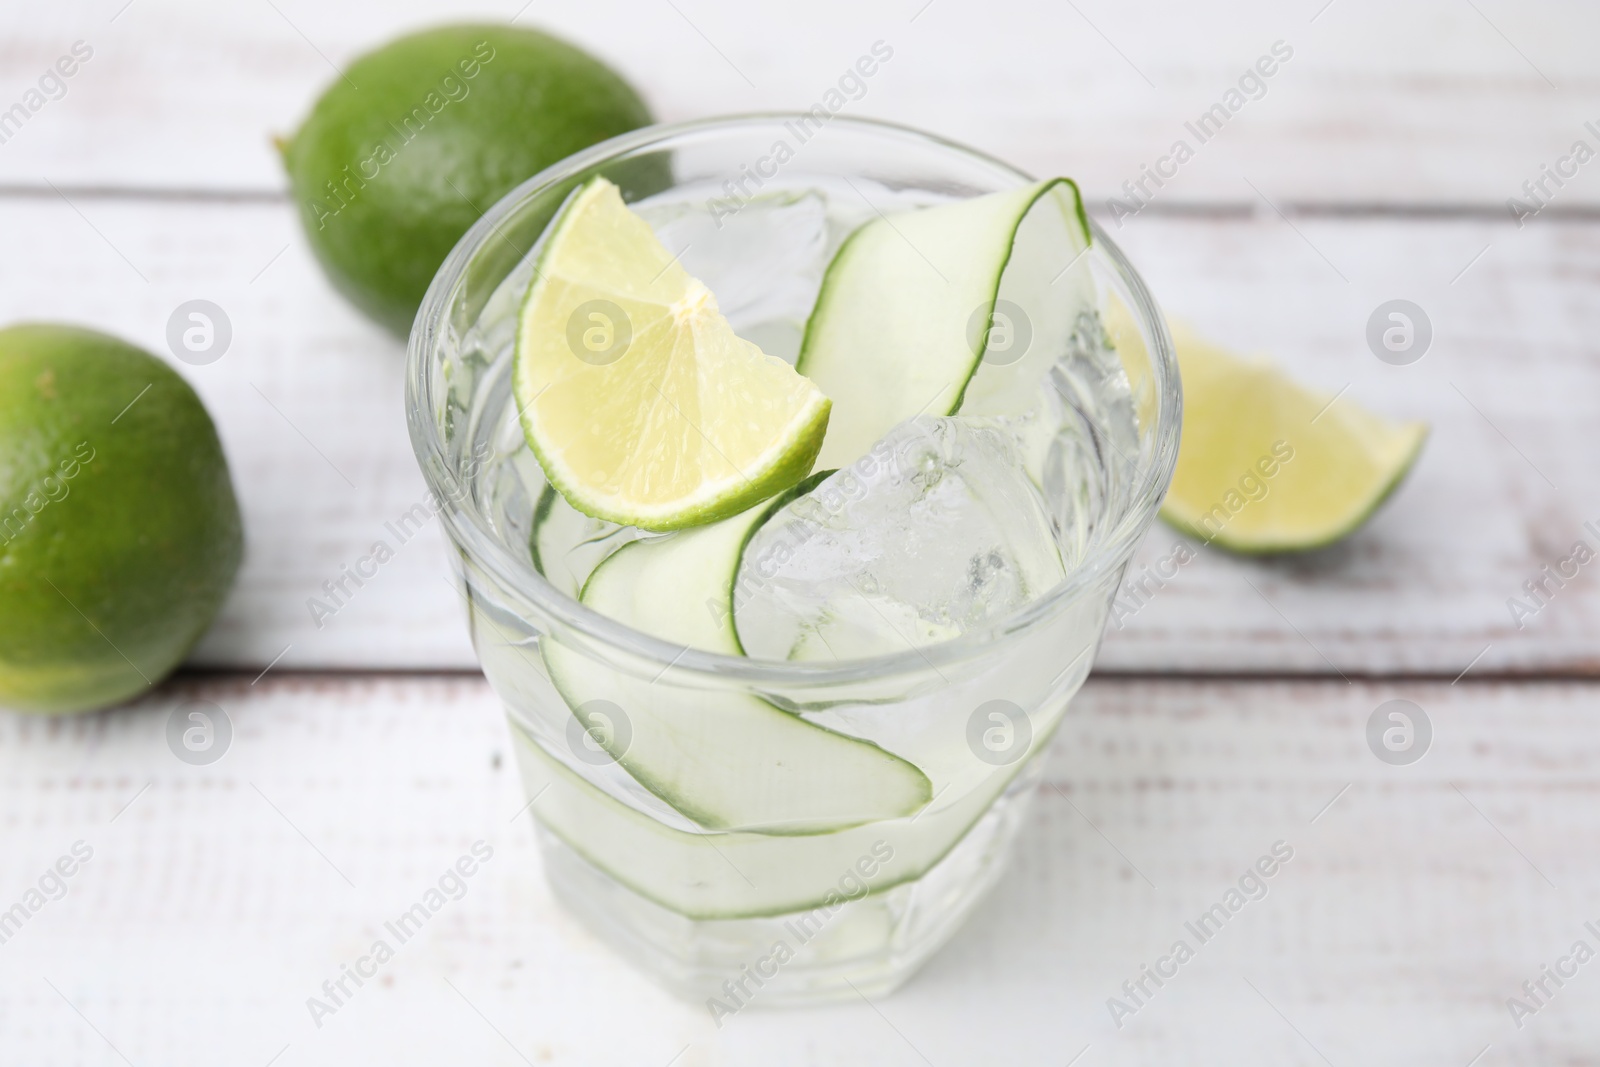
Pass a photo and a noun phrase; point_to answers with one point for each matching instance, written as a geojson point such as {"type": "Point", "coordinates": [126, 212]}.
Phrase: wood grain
{"type": "Point", "coordinates": [1417, 900]}
{"type": "Point", "coordinates": [308, 399]}
{"type": "Point", "coordinates": [1503, 486]}
{"type": "Point", "coordinates": [309, 402]}
{"type": "Point", "coordinates": [1375, 166]}
{"type": "Point", "coordinates": [1427, 102]}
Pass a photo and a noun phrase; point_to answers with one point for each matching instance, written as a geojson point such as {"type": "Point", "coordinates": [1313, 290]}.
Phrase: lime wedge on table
{"type": "Point", "coordinates": [1267, 465]}
{"type": "Point", "coordinates": [638, 399]}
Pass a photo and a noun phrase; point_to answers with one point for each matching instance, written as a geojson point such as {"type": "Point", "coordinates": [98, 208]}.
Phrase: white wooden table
{"type": "Point", "coordinates": [1226, 715]}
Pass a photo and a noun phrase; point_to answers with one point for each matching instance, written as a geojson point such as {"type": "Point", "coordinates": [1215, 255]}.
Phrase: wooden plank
{"type": "Point", "coordinates": [1502, 488]}
{"type": "Point", "coordinates": [1419, 102]}
{"type": "Point", "coordinates": [309, 398]}
{"type": "Point", "coordinates": [218, 898]}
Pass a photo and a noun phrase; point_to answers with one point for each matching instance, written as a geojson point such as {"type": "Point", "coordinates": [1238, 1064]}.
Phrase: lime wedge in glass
{"type": "Point", "coordinates": [640, 402]}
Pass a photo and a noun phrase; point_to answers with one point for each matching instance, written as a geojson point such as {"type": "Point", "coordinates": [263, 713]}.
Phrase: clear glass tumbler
{"type": "Point", "coordinates": [737, 916]}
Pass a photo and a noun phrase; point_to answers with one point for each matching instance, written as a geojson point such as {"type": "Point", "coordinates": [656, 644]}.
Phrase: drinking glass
{"type": "Point", "coordinates": [740, 915]}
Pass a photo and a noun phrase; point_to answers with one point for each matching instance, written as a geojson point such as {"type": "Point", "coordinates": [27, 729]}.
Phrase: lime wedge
{"type": "Point", "coordinates": [1267, 465]}
{"type": "Point", "coordinates": [640, 402]}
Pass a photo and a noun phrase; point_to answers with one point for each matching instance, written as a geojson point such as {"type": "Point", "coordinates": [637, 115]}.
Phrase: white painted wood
{"type": "Point", "coordinates": [1422, 589]}
{"type": "Point", "coordinates": [1504, 486]}
{"type": "Point", "coordinates": [1426, 101]}
{"type": "Point", "coordinates": [218, 898]}
{"type": "Point", "coordinates": [308, 400]}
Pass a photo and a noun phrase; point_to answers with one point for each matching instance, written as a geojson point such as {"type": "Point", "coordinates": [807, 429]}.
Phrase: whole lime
{"type": "Point", "coordinates": [119, 531]}
{"type": "Point", "coordinates": [404, 152]}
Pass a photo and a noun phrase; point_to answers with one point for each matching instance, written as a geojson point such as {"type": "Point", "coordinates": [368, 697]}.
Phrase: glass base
{"type": "Point", "coordinates": [865, 947]}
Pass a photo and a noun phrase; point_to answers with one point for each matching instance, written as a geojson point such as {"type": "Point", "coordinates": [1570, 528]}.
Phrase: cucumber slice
{"type": "Point", "coordinates": [723, 758]}
{"type": "Point", "coordinates": [567, 545]}
{"type": "Point", "coordinates": [900, 327]}
{"type": "Point", "coordinates": [738, 875]}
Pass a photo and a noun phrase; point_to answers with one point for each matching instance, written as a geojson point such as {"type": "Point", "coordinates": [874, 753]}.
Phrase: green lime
{"type": "Point", "coordinates": [418, 139]}
{"type": "Point", "coordinates": [119, 532]}
{"type": "Point", "coordinates": [1267, 465]}
{"type": "Point", "coordinates": [641, 403]}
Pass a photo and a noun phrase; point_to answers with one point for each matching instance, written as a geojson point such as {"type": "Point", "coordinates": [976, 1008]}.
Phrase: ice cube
{"type": "Point", "coordinates": [763, 260]}
{"type": "Point", "coordinates": [934, 532]}
{"type": "Point", "coordinates": [1080, 440]}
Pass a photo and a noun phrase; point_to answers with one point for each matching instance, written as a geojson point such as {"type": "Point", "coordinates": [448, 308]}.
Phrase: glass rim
{"type": "Point", "coordinates": [469, 531]}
